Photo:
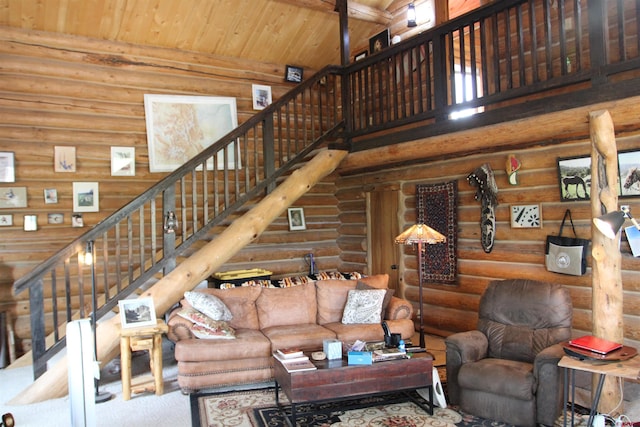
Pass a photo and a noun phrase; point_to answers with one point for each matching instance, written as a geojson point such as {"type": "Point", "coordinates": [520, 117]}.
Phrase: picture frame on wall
{"type": "Point", "coordinates": [296, 219]}
{"type": "Point", "coordinates": [137, 312]}
{"type": "Point", "coordinates": [55, 218]}
{"type": "Point", "coordinates": [379, 42]}
{"type": "Point", "coordinates": [30, 223]}
{"type": "Point", "coordinates": [13, 197]}
{"type": "Point", "coordinates": [123, 161]}
{"type": "Point", "coordinates": [203, 121]}
{"type": "Point", "coordinates": [526, 216]}
{"type": "Point", "coordinates": [7, 166]}
{"type": "Point", "coordinates": [77, 220]}
{"type": "Point", "coordinates": [360, 55]}
{"type": "Point", "coordinates": [574, 178]}
{"type": "Point", "coordinates": [293, 74]}
{"type": "Point", "coordinates": [50, 195]}
{"type": "Point", "coordinates": [64, 158]}
{"type": "Point", "coordinates": [86, 197]}
{"type": "Point", "coordinates": [261, 96]}
{"type": "Point", "coordinates": [6, 220]}
{"type": "Point", "coordinates": [629, 170]}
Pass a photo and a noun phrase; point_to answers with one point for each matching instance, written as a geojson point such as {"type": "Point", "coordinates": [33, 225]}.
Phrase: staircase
{"type": "Point", "coordinates": [409, 91]}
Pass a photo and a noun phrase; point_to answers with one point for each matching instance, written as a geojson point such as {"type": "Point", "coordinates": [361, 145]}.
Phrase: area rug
{"type": "Point", "coordinates": [257, 408]}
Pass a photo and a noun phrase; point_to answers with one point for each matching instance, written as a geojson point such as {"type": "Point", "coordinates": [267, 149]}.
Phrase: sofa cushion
{"type": "Point", "coordinates": [208, 304]}
{"type": "Point", "coordinates": [287, 306]}
{"type": "Point", "coordinates": [242, 304]}
{"type": "Point", "coordinates": [363, 306]}
{"type": "Point", "coordinates": [248, 344]}
{"type": "Point", "coordinates": [387, 296]}
{"type": "Point", "coordinates": [378, 281]}
{"type": "Point", "coordinates": [332, 297]}
{"type": "Point", "coordinates": [308, 337]}
{"type": "Point", "coordinates": [205, 327]}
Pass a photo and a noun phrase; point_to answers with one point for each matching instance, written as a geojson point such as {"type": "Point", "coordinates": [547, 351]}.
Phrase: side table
{"type": "Point", "coordinates": [629, 369]}
{"type": "Point", "coordinates": [136, 339]}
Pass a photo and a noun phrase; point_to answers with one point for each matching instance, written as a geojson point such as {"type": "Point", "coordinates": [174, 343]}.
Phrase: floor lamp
{"type": "Point", "coordinates": [420, 233]}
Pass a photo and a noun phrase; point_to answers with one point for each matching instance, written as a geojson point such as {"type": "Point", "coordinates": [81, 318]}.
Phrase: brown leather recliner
{"type": "Point", "coordinates": [507, 370]}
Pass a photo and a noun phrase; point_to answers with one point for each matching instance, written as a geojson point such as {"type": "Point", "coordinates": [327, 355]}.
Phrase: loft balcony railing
{"type": "Point", "coordinates": [508, 59]}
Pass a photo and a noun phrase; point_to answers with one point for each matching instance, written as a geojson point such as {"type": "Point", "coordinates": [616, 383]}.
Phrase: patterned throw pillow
{"type": "Point", "coordinates": [387, 298]}
{"type": "Point", "coordinates": [206, 327]}
{"type": "Point", "coordinates": [210, 305]}
{"type": "Point", "coordinates": [363, 306]}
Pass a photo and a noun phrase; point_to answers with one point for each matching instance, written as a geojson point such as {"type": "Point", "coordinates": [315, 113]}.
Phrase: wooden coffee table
{"type": "Point", "coordinates": [336, 380]}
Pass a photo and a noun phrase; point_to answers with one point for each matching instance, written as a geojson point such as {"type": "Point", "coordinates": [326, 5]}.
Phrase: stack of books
{"type": "Point", "coordinates": [294, 360]}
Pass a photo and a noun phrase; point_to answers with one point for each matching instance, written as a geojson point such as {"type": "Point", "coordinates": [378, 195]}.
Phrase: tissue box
{"type": "Point", "coordinates": [332, 348]}
{"type": "Point", "coordinates": [360, 358]}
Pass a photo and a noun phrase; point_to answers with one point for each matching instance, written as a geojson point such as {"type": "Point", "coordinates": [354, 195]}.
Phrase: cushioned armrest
{"type": "Point", "coordinates": [399, 308]}
{"type": "Point", "coordinates": [462, 347]}
{"type": "Point", "coordinates": [179, 327]}
{"type": "Point", "coordinates": [549, 379]}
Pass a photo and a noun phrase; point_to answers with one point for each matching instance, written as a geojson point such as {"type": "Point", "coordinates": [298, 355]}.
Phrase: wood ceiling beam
{"type": "Point", "coordinates": [354, 10]}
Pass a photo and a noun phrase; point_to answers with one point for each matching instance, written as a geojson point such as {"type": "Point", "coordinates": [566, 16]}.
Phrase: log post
{"type": "Point", "coordinates": [193, 270]}
{"type": "Point", "coordinates": [607, 292]}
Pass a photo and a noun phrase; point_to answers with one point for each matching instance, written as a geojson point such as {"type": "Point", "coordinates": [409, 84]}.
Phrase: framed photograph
{"type": "Point", "coordinates": [64, 159]}
{"type": "Point", "coordinates": [293, 74]}
{"type": "Point", "coordinates": [137, 312]}
{"type": "Point", "coordinates": [50, 195]}
{"type": "Point", "coordinates": [261, 96]}
{"type": "Point", "coordinates": [86, 196]}
{"type": "Point", "coordinates": [296, 219]}
{"type": "Point", "coordinates": [7, 167]}
{"type": "Point", "coordinates": [123, 161]}
{"type": "Point", "coordinates": [629, 170]}
{"type": "Point", "coordinates": [360, 55]}
{"type": "Point", "coordinates": [13, 197]}
{"type": "Point", "coordinates": [77, 221]}
{"type": "Point", "coordinates": [180, 127]}
{"type": "Point", "coordinates": [6, 220]}
{"type": "Point", "coordinates": [574, 178]}
{"type": "Point", "coordinates": [526, 216]}
{"type": "Point", "coordinates": [55, 218]}
{"type": "Point", "coordinates": [30, 222]}
{"type": "Point", "coordinates": [379, 42]}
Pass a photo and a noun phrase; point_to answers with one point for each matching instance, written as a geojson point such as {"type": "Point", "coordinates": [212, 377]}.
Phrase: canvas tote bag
{"type": "Point", "coordinates": [567, 255]}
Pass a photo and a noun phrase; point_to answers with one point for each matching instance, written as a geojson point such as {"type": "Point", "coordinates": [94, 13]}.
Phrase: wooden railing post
{"type": "Point", "coordinates": [38, 333]}
{"type": "Point", "coordinates": [598, 39]}
{"type": "Point", "coordinates": [440, 76]}
{"type": "Point", "coordinates": [268, 150]}
{"type": "Point", "coordinates": [169, 238]}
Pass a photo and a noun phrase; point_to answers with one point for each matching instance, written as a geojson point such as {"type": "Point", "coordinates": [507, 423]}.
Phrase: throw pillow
{"type": "Point", "coordinates": [363, 306]}
{"type": "Point", "coordinates": [206, 327]}
{"type": "Point", "coordinates": [210, 305]}
{"type": "Point", "coordinates": [387, 297]}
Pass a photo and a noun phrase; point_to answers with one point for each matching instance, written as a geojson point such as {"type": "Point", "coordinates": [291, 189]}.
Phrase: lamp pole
{"type": "Point", "coordinates": [422, 343]}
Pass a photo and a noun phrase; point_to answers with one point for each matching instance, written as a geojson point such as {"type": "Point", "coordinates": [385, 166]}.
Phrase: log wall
{"type": "Point", "coordinates": [517, 253]}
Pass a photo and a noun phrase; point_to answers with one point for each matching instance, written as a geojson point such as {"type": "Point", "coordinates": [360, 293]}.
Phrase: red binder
{"type": "Point", "coordinates": [598, 345]}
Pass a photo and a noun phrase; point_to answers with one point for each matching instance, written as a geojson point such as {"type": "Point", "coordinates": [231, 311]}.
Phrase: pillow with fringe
{"type": "Point", "coordinates": [208, 304]}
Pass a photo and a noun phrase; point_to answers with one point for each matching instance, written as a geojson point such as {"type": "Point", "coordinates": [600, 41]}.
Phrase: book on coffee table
{"type": "Point", "coordinates": [286, 360]}
{"type": "Point", "coordinates": [388, 354]}
{"type": "Point", "coordinates": [304, 365]}
{"type": "Point", "coordinates": [290, 353]}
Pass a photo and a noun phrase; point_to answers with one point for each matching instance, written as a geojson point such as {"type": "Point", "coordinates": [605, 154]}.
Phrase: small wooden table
{"type": "Point", "coordinates": [142, 338]}
{"type": "Point", "coordinates": [629, 369]}
{"type": "Point", "coordinates": [337, 380]}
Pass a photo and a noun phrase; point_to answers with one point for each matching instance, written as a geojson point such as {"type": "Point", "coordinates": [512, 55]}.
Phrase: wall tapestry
{"type": "Point", "coordinates": [437, 207]}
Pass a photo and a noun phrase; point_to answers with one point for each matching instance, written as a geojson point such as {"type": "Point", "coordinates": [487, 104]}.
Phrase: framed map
{"type": "Point", "coordinates": [180, 127]}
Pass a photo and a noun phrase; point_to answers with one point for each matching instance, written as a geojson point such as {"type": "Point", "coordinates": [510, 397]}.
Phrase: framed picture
{"type": "Point", "coordinates": [137, 312]}
{"type": "Point", "coordinates": [13, 197]}
{"type": "Point", "coordinates": [30, 222]}
{"type": "Point", "coordinates": [629, 170]}
{"type": "Point", "coordinates": [180, 127]}
{"type": "Point", "coordinates": [123, 161]}
{"type": "Point", "coordinates": [574, 177]}
{"type": "Point", "coordinates": [55, 218]}
{"type": "Point", "coordinates": [261, 96]}
{"type": "Point", "coordinates": [50, 195]}
{"type": "Point", "coordinates": [379, 42]}
{"type": "Point", "coordinates": [296, 219]}
{"type": "Point", "coordinates": [64, 159]}
{"type": "Point", "coordinates": [86, 197]}
{"type": "Point", "coordinates": [6, 220]}
{"type": "Point", "coordinates": [526, 216]}
{"type": "Point", "coordinates": [293, 74]}
{"type": "Point", "coordinates": [360, 56]}
{"type": "Point", "coordinates": [7, 167]}
{"type": "Point", "coordinates": [77, 221]}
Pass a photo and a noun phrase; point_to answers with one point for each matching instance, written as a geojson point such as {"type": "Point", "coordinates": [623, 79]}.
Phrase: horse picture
{"type": "Point", "coordinates": [629, 170]}
{"type": "Point", "coordinates": [575, 178]}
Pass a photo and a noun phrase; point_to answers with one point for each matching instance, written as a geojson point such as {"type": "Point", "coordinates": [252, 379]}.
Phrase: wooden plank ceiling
{"type": "Point", "coordinates": [297, 32]}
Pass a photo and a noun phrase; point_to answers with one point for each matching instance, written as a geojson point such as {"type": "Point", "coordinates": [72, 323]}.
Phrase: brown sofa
{"type": "Point", "coordinates": [268, 318]}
